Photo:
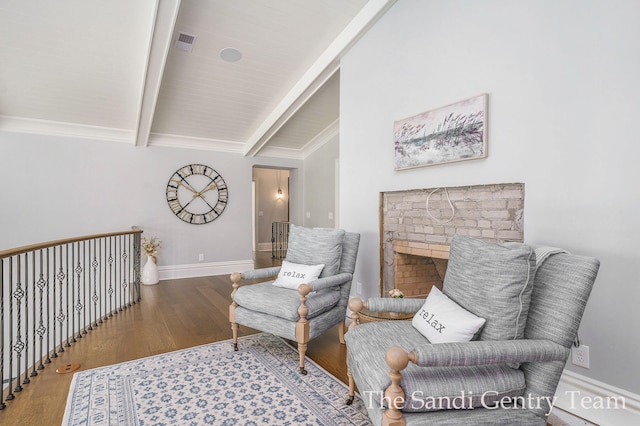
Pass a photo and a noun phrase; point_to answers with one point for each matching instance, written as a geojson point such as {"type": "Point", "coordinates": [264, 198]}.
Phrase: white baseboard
{"type": "Point", "coordinates": [203, 269]}
{"type": "Point", "coordinates": [560, 417]}
{"type": "Point", "coordinates": [597, 402]}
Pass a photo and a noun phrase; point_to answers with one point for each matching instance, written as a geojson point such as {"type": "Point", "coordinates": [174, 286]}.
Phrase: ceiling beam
{"type": "Point", "coordinates": [323, 68]}
{"type": "Point", "coordinates": [160, 43]}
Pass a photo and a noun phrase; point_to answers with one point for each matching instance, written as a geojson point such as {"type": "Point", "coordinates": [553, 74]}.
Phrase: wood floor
{"type": "Point", "coordinates": [173, 315]}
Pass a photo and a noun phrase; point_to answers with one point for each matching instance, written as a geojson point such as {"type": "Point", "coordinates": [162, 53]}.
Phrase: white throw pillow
{"type": "Point", "coordinates": [442, 320]}
{"type": "Point", "coordinates": [291, 275]}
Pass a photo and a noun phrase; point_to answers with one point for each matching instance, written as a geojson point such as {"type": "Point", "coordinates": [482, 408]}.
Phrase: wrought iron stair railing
{"type": "Point", "coordinates": [279, 239]}
{"type": "Point", "coordinates": [55, 293]}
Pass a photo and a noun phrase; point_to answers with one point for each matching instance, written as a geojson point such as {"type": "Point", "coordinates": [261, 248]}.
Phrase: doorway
{"type": "Point", "coordinates": [271, 204]}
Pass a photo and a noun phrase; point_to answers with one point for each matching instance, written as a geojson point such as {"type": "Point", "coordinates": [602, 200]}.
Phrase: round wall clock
{"type": "Point", "coordinates": [197, 194]}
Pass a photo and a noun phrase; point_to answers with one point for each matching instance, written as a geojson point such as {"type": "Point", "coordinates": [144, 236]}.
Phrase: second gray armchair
{"type": "Point", "coordinates": [508, 373]}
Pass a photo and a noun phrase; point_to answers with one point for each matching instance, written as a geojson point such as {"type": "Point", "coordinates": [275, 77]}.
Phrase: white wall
{"type": "Point", "coordinates": [319, 185]}
{"type": "Point", "coordinates": [62, 187]}
{"type": "Point", "coordinates": [564, 101]}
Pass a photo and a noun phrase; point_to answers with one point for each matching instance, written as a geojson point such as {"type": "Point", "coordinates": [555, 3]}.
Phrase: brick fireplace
{"type": "Point", "coordinates": [415, 241]}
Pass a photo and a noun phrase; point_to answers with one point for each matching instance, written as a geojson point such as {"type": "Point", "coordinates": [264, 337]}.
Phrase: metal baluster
{"type": "Point", "coordinates": [69, 272]}
{"type": "Point", "coordinates": [18, 345]}
{"type": "Point", "coordinates": [121, 278]}
{"type": "Point", "coordinates": [102, 296]}
{"type": "Point", "coordinates": [116, 275]}
{"type": "Point", "coordinates": [136, 248]}
{"type": "Point", "coordinates": [41, 328]}
{"type": "Point", "coordinates": [86, 289]}
{"type": "Point", "coordinates": [132, 267]}
{"type": "Point", "coordinates": [33, 312]}
{"type": "Point", "coordinates": [96, 289]}
{"type": "Point", "coordinates": [54, 316]}
{"type": "Point", "coordinates": [50, 304]}
{"type": "Point", "coordinates": [78, 303]}
{"type": "Point", "coordinates": [33, 315]}
{"type": "Point", "coordinates": [119, 290]}
{"type": "Point", "coordinates": [61, 317]}
{"type": "Point", "coordinates": [10, 394]}
{"type": "Point", "coordinates": [125, 273]}
{"type": "Point", "coordinates": [2, 404]}
{"type": "Point", "coordinates": [132, 261]}
{"type": "Point", "coordinates": [105, 299]}
{"type": "Point", "coordinates": [118, 281]}
{"type": "Point", "coordinates": [132, 271]}
{"type": "Point", "coordinates": [110, 291]}
{"type": "Point", "coordinates": [25, 344]}
{"type": "Point", "coordinates": [71, 321]}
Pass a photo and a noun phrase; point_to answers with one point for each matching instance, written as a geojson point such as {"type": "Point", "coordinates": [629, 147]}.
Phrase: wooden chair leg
{"type": "Point", "coordinates": [302, 327]}
{"type": "Point", "coordinates": [302, 349]}
{"type": "Point", "coordinates": [341, 329]}
{"type": "Point", "coordinates": [234, 330]}
{"type": "Point", "coordinates": [235, 278]}
{"type": "Point", "coordinates": [352, 386]}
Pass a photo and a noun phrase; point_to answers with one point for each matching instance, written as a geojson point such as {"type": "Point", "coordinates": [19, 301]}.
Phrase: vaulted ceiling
{"type": "Point", "coordinates": [117, 70]}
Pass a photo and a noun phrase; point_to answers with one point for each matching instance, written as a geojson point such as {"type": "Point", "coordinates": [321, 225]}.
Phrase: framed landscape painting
{"type": "Point", "coordinates": [451, 133]}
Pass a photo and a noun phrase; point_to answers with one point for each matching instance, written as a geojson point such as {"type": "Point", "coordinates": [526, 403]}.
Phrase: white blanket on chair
{"type": "Point", "coordinates": [542, 253]}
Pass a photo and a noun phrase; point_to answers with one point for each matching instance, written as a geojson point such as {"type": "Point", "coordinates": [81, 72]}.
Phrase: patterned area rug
{"type": "Point", "coordinates": [213, 385]}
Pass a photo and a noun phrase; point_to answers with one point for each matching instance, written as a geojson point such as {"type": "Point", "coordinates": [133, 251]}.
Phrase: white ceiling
{"type": "Point", "coordinates": [108, 69]}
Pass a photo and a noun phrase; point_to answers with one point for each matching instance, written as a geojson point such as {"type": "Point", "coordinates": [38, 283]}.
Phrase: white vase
{"type": "Point", "coordinates": [150, 272]}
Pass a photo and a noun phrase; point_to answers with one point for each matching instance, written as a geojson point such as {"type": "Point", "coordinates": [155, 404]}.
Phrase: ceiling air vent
{"type": "Point", "coordinates": [185, 42]}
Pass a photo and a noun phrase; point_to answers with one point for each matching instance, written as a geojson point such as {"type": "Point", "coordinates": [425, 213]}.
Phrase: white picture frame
{"type": "Point", "coordinates": [456, 132]}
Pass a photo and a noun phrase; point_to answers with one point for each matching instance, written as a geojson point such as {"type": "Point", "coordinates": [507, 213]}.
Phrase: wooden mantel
{"type": "Point", "coordinates": [436, 251]}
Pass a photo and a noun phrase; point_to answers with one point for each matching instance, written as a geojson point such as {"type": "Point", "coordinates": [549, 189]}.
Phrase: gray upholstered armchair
{"type": "Point", "coordinates": [532, 301]}
{"type": "Point", "coordinates": [306, 296]}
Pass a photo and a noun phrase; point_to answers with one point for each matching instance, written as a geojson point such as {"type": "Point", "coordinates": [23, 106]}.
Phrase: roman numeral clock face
{"type": "Point", "coordinates": [197, 194]}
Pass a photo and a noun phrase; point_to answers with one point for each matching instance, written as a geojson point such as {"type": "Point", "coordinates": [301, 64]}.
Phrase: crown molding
{"type": "Point", "coordinates": [190, 142]}
{"type": "Point", "coordinates": [58, 128]}
{"type": "Point", "coordinates": [327, 134]}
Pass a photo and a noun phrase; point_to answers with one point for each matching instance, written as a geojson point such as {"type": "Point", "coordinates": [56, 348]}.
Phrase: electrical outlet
{"type": "Point", "coordinates": [580, 356]}
{"type": "Point", "coordinates": [359, 288]}
{"type": "Point", "coordinates": [201, 257]}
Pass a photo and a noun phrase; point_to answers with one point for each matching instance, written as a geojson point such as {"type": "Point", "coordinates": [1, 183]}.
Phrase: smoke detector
{"type": "Point", "coordinates": [185, 41]}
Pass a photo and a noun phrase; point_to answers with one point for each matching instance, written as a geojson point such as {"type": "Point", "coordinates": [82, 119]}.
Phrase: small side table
{"type": "Point", "coordinates": [371, 316]}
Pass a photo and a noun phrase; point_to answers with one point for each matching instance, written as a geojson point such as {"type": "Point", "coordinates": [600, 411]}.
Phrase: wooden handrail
{"type": "Point", "coordinates": [40, 246]}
